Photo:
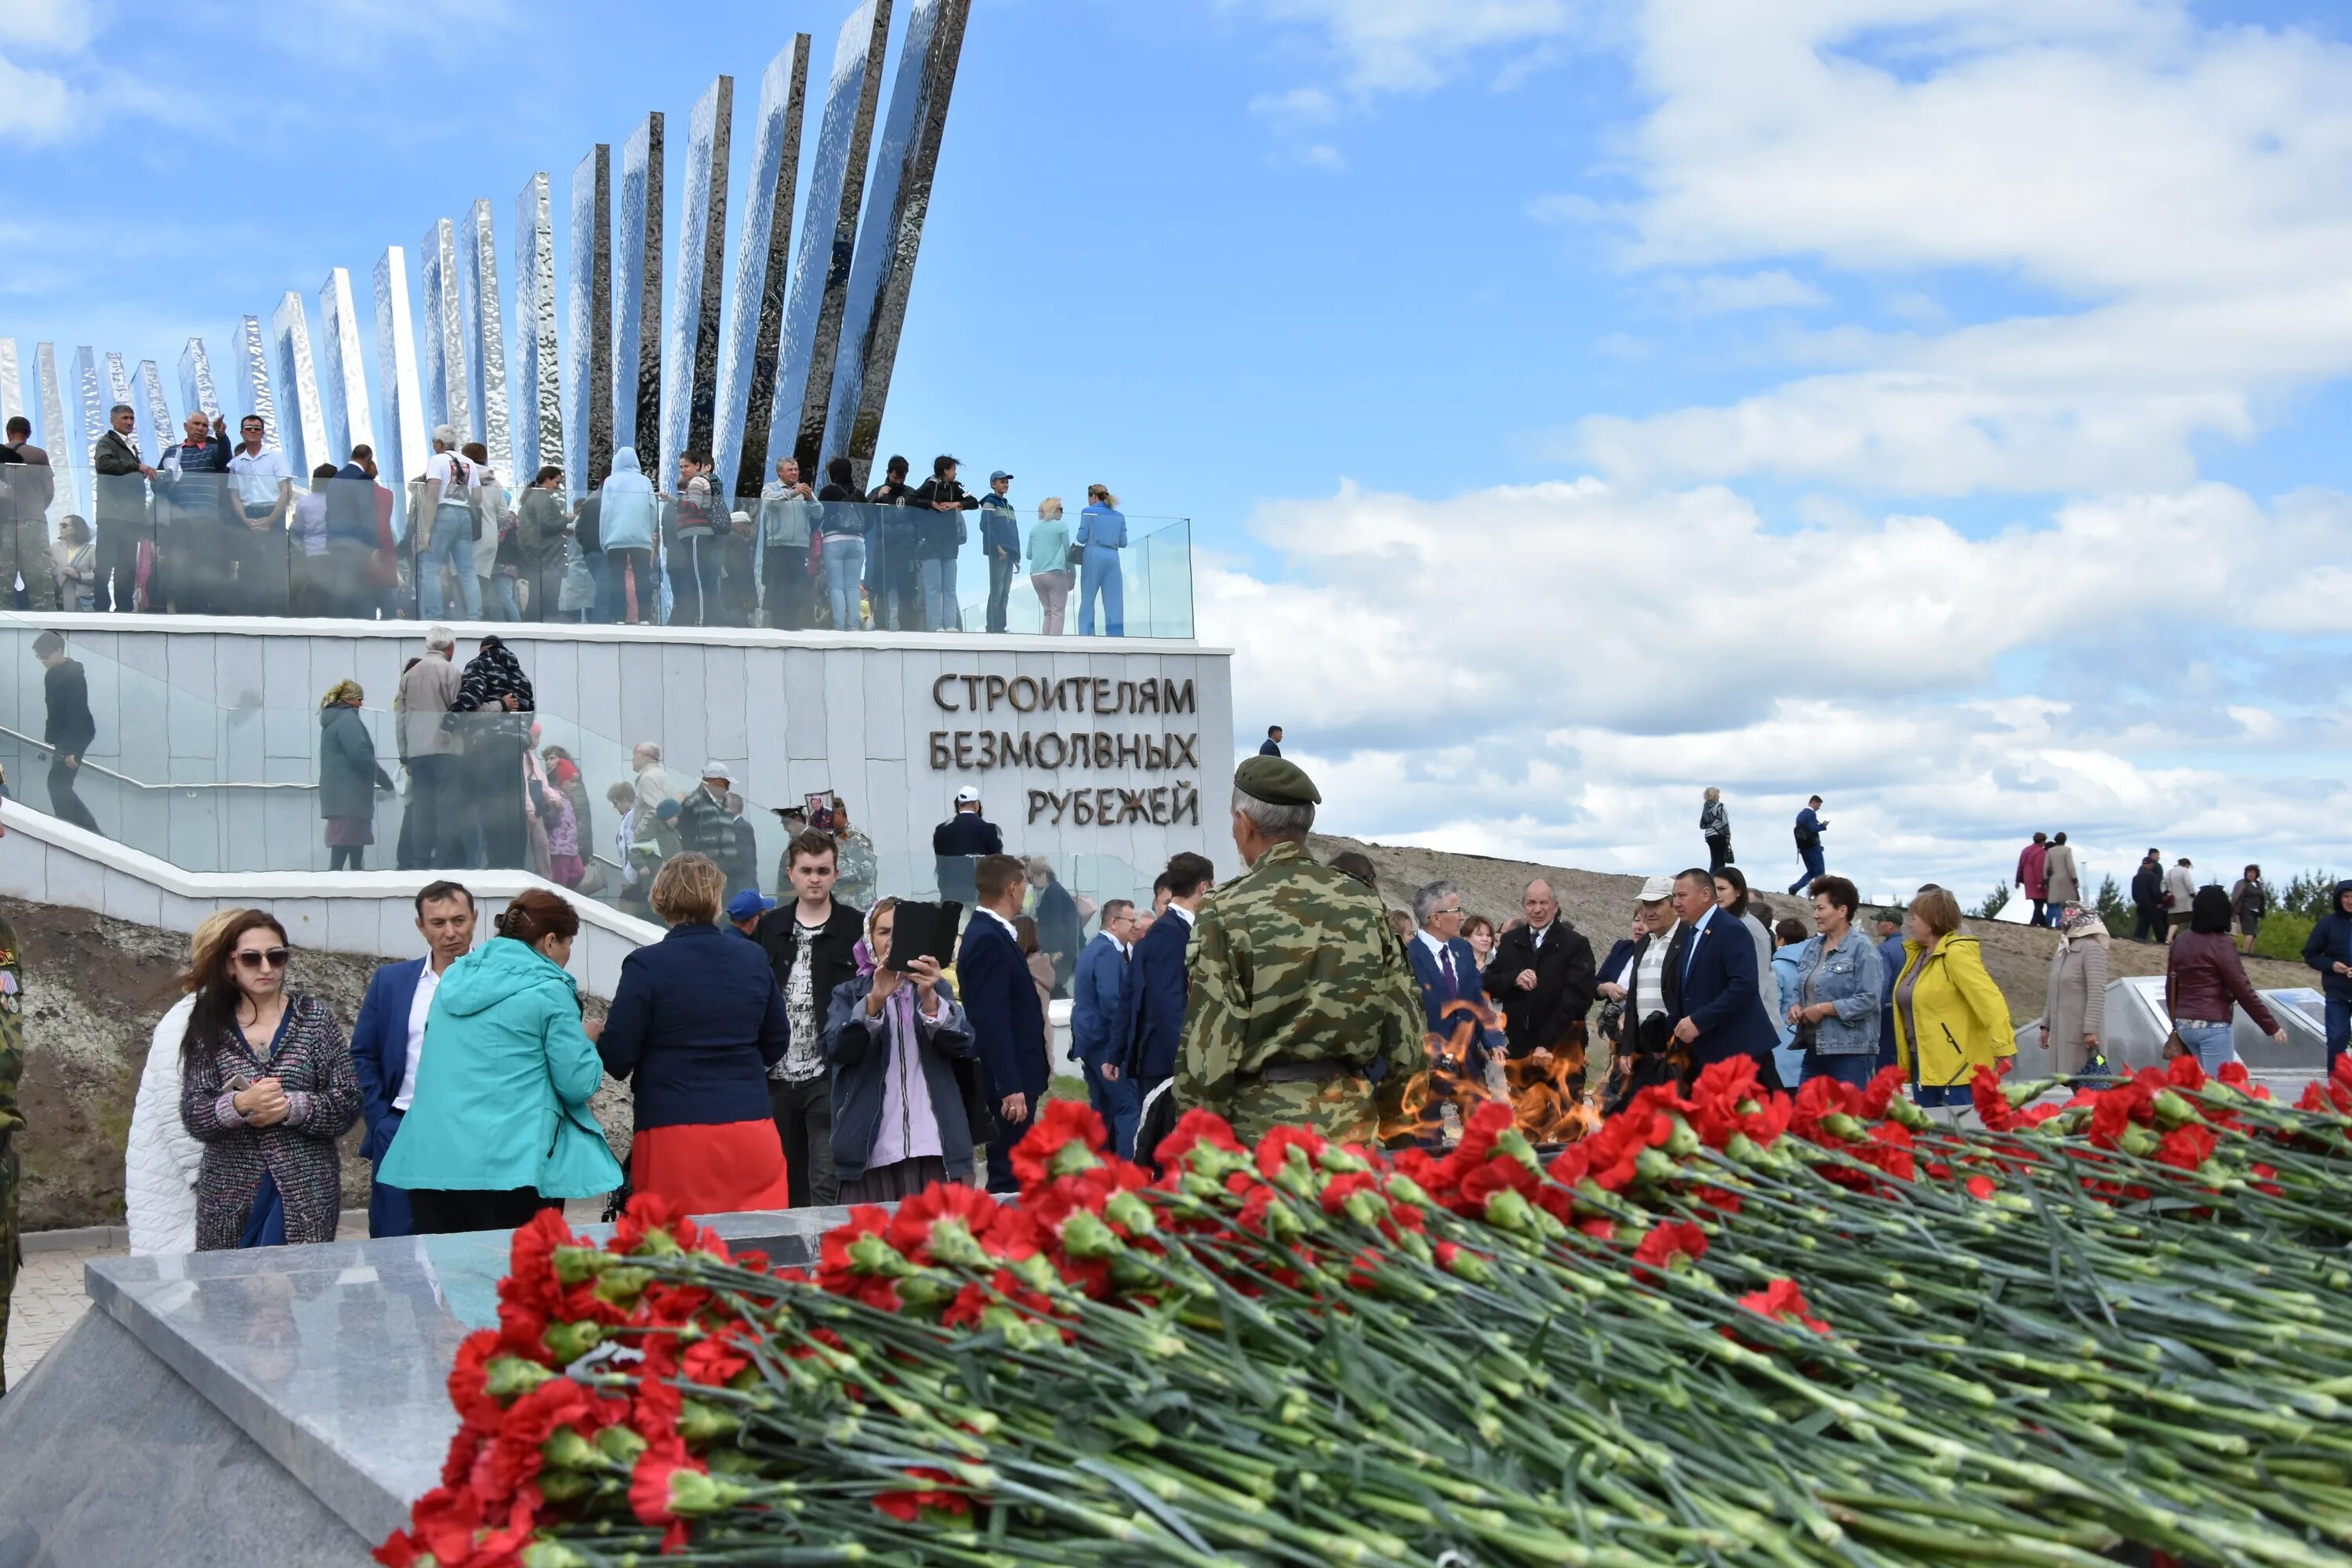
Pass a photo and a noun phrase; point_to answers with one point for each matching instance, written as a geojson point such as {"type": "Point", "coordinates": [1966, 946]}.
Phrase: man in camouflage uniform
{"type": "Point", "coordinates": [12, 1068]}
{"type": "Point", "coordinates": [1298, 987]}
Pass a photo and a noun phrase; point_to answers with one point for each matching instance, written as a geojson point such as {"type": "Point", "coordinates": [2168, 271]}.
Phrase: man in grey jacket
{"type": "Point", "coordinates": [26, 488]}
{"type": "Point", "coordinates": [429, 752]}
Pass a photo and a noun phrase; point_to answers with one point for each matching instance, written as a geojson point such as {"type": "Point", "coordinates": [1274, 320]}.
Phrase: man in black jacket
{"type": "Point", "coordinates": [960, 841]}
{"type": "Point", "coordinates": [1542, 977]}
{"type": "Point", "coordinates": [2148, 923]}
{"type": "Point", "coordinates": [942, 500]}
{"type": "Point", "coordinates": [70, 728]}
{"type": "Point", "coordinates": [895, 546]}
{"type": "Point", "coordinates": [122, 473]}
{"type": "Point", "coordinates": [812, 944]}
{"type": "Point", "coordinates": [706, 827]}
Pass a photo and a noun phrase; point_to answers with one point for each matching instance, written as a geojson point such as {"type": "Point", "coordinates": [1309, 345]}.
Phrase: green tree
{"type": "Point", "coordinates": [1995, 902]}
{"type": "Point", "coordinates": [2113, 909]}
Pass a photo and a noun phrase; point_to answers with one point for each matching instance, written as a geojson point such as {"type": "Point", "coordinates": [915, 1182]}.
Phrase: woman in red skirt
{"type": "Point", "coordinates": [695, 1024]}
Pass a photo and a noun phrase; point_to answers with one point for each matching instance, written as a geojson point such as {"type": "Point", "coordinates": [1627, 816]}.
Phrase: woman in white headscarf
{"type": "Point", "coordinates": [2076, 1012]}
{"type": "Point", "coordinates": [628, 522]}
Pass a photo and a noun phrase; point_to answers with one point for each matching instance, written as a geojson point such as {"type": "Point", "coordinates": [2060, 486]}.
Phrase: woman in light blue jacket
{"type": "Point", "coordinates": [1103, 530]}
{"type": "Point", "coordinates": [1788, 951]}
{"type": "Point", "coordinates": [500, 1127]}
{"type": "Point", "coordinates": [1834, 1004]}
{"type": "Point", "coordinates": [1049, 564]}
{"type": "Point", "coordinates": [628, 519]}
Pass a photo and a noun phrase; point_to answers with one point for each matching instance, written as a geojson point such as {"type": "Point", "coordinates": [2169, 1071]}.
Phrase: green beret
{"type": "Point", "coordinates": [1278, 781]}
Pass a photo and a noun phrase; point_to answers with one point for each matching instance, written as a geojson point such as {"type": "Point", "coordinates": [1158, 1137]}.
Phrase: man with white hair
{"type": "Point", "coordinates": [433, 834]}
{"type": "Point", "coordinates": [445, 528]}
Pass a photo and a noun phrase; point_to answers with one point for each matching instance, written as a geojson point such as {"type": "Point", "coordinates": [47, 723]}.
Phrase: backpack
{"type": "Point", "coordinates": [1806, 837]}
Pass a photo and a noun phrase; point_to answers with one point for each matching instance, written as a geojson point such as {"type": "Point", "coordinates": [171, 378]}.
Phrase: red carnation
{"type": "Point", "coordinates": [1066, 1138]}
{"type": "Point", "coordinates": [1782, 1301]}
{"type": "Point", "coordinates": [1196, 1127]}
{"type": "Point", "coordinates": [908, 1505]}
{"type": "Point", "coordinates": [1879, 1098]}
{"type": "Point", "coordinates": [2185, 1147]}
{"type": "Point", "coordinates": [1274, 1149]}
{"type": "Point", "coordinates": [1664, 1244]}
{"type": "Point", "coordinates": [1980, 1188]}
{"type": "Point", "coordinates": [910, 1228]}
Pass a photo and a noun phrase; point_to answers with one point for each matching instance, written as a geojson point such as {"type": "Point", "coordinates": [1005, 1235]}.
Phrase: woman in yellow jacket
{"type": "Point", "coordinates": [1949, 1017]}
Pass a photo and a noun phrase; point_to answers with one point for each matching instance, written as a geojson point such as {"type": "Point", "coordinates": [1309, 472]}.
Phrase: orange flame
{"type": "Point", "coordinates": [1545, 1088]}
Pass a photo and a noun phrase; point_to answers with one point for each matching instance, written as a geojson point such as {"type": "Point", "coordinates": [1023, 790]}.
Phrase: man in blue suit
{"type": "Point", "coordinates": [1097, 1007]}
{"type": "Point", "coordinates": [1156, 985]}
{"type": "Point", "coordinates": [1446, 969]}
{"type": "Point", "coordinates": [1008, 1022]}
{"type": "Point", "coordinates": [1711, 988]}
{"type": "Point", "coordinates": [389, 1034]}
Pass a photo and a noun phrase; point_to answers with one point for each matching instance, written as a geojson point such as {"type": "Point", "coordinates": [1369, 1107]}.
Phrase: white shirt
{"type": "Point", "coordinates": [1175, 909]}
{"type": "Point", "coordinates": [1441, 951]}
{"type": "Point", "coordinates": [456, 474]}
{"type": "Point", "coordinates": [259, 475]}
{"type": "Point", "coordinates": [1535, 935]}
{"type": "Point", "coordinates": [427, 985]}
{"type": "Point", "coordinates": [1010, 928]}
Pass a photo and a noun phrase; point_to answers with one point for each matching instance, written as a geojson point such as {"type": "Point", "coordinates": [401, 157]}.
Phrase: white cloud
{"type": "Point", "coordinates": [2186, 190]}
{"type": "Point", "coordinates": [1558, 669]}
{"type": "Point", "coordinates": [1300, 106]}
{"type": "Point", "coordinates": [1719, 293]}
{"type": "Point", "coordinates": [1415, 45]}
{"type": "Point", "coordinates": [47, 25]}
{"type": "Point", "coordinates": [35, 108]}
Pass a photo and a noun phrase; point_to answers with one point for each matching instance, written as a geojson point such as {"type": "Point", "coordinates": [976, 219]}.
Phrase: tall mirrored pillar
{"type": "Point", "coordinates": [636, 294]}
{"type": "Point", "coordinates": [402, 454]}
{"type": "Point", "coordinates": [253, 378]}
{"type": "Point", "coordinates": [196, 388]}
{"type": "Point", "coordinates": [303, 424]}
{"type": "Point", "coordinates": [690, 354]}
{"type": "Point", "coordinates": [755, 312]}
{"type": "Point", "coordinates": [61, 431]}
{"type": "Point", "coordinates": [539, 399]}
{"type": "Point", "coordinates": [486, 346]}
{"type": "Point", "coordinates": [588, 348]}
{"type": "Point", "coordinates": [12, 385]}
{"type": "Point", "coordinates": [344, 374]}
{"type": "Point", "coordinates": [444, 366]}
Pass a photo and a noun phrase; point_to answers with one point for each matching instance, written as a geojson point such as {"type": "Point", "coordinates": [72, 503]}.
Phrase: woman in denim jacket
{"type": "Point", "coordinates": [1835, 1007]}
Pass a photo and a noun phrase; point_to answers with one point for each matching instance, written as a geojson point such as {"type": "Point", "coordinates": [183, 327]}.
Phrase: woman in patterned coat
{"type": "Point", "coordinates": [267, 1085]}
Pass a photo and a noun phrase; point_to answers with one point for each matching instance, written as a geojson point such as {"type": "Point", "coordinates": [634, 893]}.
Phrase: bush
{"type": "Point", "coordinates": [1995, 902]}
{"type": "Point", "coordinates": [2310, 895]}
{"type": "Point", "coordinates": [2113, 909]}
{"type": "Point", "coordinates": [2283, 936]}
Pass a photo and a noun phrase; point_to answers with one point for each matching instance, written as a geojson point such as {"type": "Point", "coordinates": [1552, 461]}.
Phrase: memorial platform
{"type": "Point", "coordinates": [281, 1406]}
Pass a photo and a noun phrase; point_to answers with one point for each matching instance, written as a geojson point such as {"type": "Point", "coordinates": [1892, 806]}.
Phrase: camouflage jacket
{"type": "Point", "coordinates": [1293, 961]}
{"type": "Point", "coordinates": [12, 1031]}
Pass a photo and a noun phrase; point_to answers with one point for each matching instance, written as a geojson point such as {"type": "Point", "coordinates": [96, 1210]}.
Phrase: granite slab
{"type": "Point", "coordinates": [334, 1359]}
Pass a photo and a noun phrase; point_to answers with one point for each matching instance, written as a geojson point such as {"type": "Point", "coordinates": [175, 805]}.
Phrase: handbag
{"type": "Point", "coordinates": [578, 589]}
{"type": "Point", "coordinates": [2174, 1045]}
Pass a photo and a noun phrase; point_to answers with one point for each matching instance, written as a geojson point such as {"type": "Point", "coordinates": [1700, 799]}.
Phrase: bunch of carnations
{"type": "Point", "coordinates": [1731, 1327]}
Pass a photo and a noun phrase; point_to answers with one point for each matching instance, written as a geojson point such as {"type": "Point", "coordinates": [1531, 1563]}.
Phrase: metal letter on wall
{"type": "Point", "coordinates": [828, 236]}
{"type": "Point", "coordinates": [196, 389]}
{"type": "Point", "coordinates": [343, 376]}
{"type": "Point", "coordinates": [443, 367]}
{"type": "Point", "coordinates": [636, 294]}
{"type": "Point", "coordinates": [690, 352]}
{"type": "Point", "coordinates": [304, 425]}
{"type": "Point", "coordinates": [539, 399]}
{"type": "Point", "coordinates": [118, 385]}
{"type": "Point", "coordinates": [588, 352]}
{"type": "Point", "coordinates": [755, 315]}
{"type": "Point", "coordinates": [404, 445]}
{"type": "Point", "coordinates": [253, 373]}
{"type": "Point", "coordinates": [62, 429]}
{"type": "Point", "coordinates": [485, 369]}
{"type": "Point", "coordinates": [97, 410]}
{"type": "Point", "coordinates": [884, 270]}
{"type": "Point", "coordinates": [12, 383]}
{"type": "Point", "coordinates": [159, 410]}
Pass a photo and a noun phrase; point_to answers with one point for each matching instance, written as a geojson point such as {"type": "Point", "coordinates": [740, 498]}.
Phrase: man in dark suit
{"type": "Point", "coordinates": [1446, 969]}
{"type": "Point", "coordinates": [1097, 1005]}
{"type": "Point", "coordinates": [1711, 986]}
{"type": "Point", "coordinates": [1157, 986]}
{"type": "Point", "coordinates": [26, 488]}
{"type": "Point", "coordinates": [1008, 1022]}
{"type": "Point", "coordinates": [70, 728]}
{"type": "Point", "coordinates": [122, 473]}
{"type": "Point", "coordinates": [350, 539]}
{"type": "Point", "coordinates": [959, 841]}
{"type": "Point", "coordinates": [1272, 745]}
{"type": "Point", "coordinates": [390, 1035]}
{"type": "Point", "coordinates": [1058, 922]}
{"type": "Point", "coordinates": [1542, 977]}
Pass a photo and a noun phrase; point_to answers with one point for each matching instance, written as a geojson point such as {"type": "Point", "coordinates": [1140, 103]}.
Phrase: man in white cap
{"type": "Point", "coordinates": [960, 841]}
{"type": "Point", "coordinates": [1642, 1057]}
{"type": "Point", "coordinates": [706, 827]}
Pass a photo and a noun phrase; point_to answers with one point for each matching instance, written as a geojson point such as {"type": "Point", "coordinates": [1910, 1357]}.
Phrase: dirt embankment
{"type": "Point", "coordinates": [94, 990]}
{"type": "Point", "coordinates": [1600, 905]}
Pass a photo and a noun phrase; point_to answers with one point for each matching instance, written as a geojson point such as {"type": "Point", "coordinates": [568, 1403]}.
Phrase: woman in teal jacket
{"type": "Point", "coordinates": [500, 1127]}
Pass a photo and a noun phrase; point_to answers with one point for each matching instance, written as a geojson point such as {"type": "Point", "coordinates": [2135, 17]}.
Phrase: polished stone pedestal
{"type": "Point", "coordinates": [281, 1406]}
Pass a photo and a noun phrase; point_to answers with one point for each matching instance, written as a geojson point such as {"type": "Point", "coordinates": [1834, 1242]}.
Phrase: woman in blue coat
{"type": "Point", "coordinates": [1102, 530]}
{"type": "Point", "coordinates": [898, 1120]}
{"type": "Point", "coordinates": [696, 1022]}
{"type": "Point", "coordinates": [500, 1127]}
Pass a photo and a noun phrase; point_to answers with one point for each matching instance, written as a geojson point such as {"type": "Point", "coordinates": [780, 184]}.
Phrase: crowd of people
{"type": "Point", "coordinates": [212, 526]}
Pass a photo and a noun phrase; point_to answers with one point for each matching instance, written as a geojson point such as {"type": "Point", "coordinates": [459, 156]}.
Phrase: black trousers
{"type": "Point", "coordinates": [2148, 922]}
{"type": "Point", "coordinates": [436, 808]}
{"type": "Point", "coordinates": [448, 1212]}
{"type": "Point", "coordinates": [695, 564]}
{"type": "Point", "coordinates": [791, 592]}
{"type": "Point", "coordinates": [64, 804]}
{"type": "Point", "coordinates": [803, 1112]}
{"type": "Point", "coordinates": [117, 559]}
{"type": "Point", "coordinates": [1718, 852]}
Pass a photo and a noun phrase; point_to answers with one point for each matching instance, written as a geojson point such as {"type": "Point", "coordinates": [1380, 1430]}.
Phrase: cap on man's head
{"type": "Point", "coordinates": [1278, 781]}
{"type": "Point", "coordinates": [1657, 889]}
{"type": "Point", "coordinates": [968, 796]}
{"type": "Point", "coordinates": [1000, 474]}
{"type": "Point", "coordinates": [715, 769]}
{"type": "Point", "coordinates": [748, 903]}
{"type": "Point", "coordinates": [667, 809]}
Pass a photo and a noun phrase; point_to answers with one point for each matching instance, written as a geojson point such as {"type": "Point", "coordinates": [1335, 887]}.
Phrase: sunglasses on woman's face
{"type": "Point", "coordinates": [263, 958]}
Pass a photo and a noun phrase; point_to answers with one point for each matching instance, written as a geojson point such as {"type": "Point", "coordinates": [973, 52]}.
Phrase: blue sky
{"type": "Point", "coordinates": [1939, 403]}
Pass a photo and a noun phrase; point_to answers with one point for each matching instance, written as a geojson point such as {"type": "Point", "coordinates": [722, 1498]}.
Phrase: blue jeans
{"type": "Point", "coordinates": [1099, 579]}
{"type": "Point", "coordinates": [1119, 1102]}
{"type": "Point", "coordinates": [844, 571]}
{"type": "Point", "coordinates": [2209, 1041]}
{"type": "Point", "coordinates": [953, 604]}
{"type": "Point", "coordinates": [2339, 1028]}
{"type": "Point", "coordinates": [1813, 868]}
{"type": "Point", "coordinates": [1857, 1070]}
{"type": "Point", "coordinates": [452, 545]}
{"type": "Point", "coordinates": [936, 575]}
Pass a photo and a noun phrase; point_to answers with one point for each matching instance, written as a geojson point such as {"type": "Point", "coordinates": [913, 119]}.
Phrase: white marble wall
{"type": "Point", "coordinates": [208, 699]}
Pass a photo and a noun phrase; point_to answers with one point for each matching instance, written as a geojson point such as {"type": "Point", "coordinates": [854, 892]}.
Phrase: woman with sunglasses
{"type": "Point", "coordinates": [267, 1085]}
